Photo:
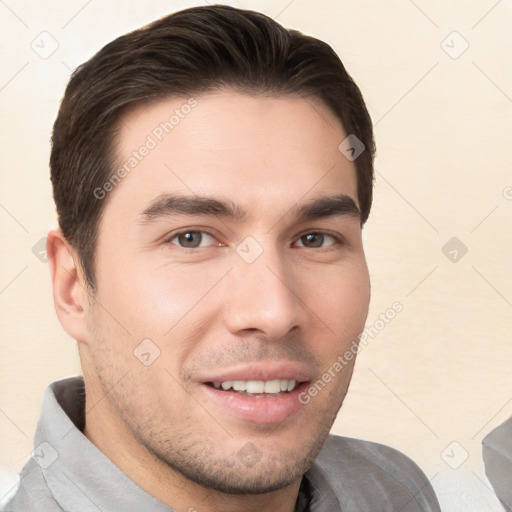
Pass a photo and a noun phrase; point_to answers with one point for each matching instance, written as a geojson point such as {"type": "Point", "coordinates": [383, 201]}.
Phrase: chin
{"type": "Point", "coordinates": [251, 469]}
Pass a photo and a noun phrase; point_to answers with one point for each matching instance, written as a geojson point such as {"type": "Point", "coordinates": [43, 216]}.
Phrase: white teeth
{"type": "Point", "coordinates": [257, 387]}
{"type": "Point", "coordinates": [273, 386]}
{"type": "Point", "coordinates": [239, 385]}
{"type": "Point", "coordinates": [226, 385]}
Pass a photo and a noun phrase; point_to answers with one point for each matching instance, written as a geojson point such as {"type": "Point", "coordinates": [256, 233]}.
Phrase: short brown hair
{"type": "Point", "coordinates": [189, 52]}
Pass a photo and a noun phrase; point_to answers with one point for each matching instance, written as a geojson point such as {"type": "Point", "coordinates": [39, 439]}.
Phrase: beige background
{"type": "Point", "coordinates": [439, 373]}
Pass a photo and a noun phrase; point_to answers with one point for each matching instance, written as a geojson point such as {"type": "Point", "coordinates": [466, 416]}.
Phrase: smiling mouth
{"type": "Point", "coordinates": [257, 388]}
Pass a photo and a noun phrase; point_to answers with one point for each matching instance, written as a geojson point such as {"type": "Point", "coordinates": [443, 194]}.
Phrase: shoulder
{"type": "Point", "coordinates": [497, 455]}
{"type": "Point", "coordinates": [32, 493]}
{"type": "Point", "coordinates": [367, 455]}
{"type": "Point", "coordinates": [375, 476]}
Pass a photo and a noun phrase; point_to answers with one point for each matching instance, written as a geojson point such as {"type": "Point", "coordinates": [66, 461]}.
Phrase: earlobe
{"type": "Point", "coordinates": [69, 288]}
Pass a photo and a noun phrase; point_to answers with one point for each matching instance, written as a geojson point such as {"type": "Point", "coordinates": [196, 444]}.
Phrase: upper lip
{"type": "Point", "coordinates": [264, 371]}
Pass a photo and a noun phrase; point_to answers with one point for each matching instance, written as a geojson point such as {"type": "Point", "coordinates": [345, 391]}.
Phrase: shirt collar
{"type": "Point", "coordinates": [79, 475]}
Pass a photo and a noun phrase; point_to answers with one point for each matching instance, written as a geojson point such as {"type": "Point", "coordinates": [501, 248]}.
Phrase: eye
{"type": "Point", "coordinates": [192, 239]}
{"type": "Point", "coordinates": [316, 240]}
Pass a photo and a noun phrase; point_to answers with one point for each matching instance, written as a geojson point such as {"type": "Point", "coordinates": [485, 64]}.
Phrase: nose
{"type": "Point", "coordinates": [263, 298]}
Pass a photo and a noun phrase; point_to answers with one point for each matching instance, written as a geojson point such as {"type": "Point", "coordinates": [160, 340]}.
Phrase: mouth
{"type": "Point", "coordinates": [264, 399]}
{"type": "Point", "coordinates": [263, 392]}
{"type": "Point", "coordinates": [257, 388]}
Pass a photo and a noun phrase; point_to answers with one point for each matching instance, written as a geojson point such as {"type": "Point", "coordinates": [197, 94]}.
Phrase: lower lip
{"type": "Point", "coordinates": [258, 409]}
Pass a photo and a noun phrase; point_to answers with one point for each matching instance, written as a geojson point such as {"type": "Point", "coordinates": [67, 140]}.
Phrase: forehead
{"type": "Point", "coordinates": [254, 149]}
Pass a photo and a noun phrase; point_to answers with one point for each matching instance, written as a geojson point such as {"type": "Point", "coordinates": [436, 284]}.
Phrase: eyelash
{"type": "Point", "coordinates": [338, 239]}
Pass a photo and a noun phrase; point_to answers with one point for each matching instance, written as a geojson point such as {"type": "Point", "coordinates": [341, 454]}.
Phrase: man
{"type": "Point", "coordinates": [212, 173]}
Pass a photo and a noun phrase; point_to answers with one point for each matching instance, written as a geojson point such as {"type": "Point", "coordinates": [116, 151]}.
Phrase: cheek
{"type": "Point", "coordinates": [137, 367]}
{"type": "Point", "coordinates": [153, 297]}
{"type": "Point", "coordinates": [340, 298]}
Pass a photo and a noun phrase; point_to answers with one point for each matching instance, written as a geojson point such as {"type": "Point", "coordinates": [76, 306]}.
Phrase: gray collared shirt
{"type": "Point", "coordinates": [497, 453]}
{"type": "Point", "coordinates": [66, 472]}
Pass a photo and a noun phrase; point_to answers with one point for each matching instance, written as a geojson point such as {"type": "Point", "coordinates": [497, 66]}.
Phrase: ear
{"type": "Point", "coordinates": [70, 291]}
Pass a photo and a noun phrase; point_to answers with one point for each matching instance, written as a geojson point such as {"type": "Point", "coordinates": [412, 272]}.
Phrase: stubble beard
{"type": "Point", "coordinates": [192, 453]}
{"type": "Point", "coordinates": [236, 468]}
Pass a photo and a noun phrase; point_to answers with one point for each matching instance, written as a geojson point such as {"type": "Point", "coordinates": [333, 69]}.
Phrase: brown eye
{"type": "Point", "coordinates": [313, 240]}
{"type": "Point", "coordinates": [192, 239]}
{"type": "Point", "coordinates": [316, 240]}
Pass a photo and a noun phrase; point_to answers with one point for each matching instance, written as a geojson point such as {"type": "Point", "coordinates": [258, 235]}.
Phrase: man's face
{"type": "Point", "coordinates": [233, 248]}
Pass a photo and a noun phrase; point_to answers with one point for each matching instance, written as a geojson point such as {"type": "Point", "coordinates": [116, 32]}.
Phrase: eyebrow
{"type": "Point", "coordinates": [172, 204]}
{"type": "Point", "coordinates": [328, 206]}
